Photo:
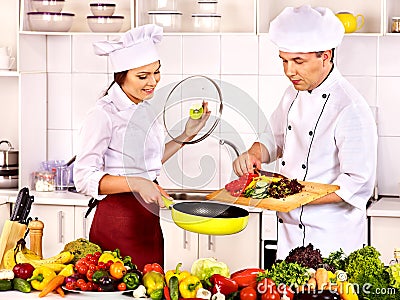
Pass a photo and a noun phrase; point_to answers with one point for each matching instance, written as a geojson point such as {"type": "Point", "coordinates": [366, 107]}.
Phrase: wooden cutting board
{"type": "Point", "coordinates": [310, 192]}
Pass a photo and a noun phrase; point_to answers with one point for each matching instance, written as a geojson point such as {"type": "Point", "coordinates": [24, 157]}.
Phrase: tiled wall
{"type": "Point", "coordinates": [76, 79]}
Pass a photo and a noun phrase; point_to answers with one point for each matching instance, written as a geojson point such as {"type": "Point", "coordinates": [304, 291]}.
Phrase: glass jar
{"type": "Point", "coordinates": [396, 24]}
{"type": "Point", "coordinates": [43, 181]}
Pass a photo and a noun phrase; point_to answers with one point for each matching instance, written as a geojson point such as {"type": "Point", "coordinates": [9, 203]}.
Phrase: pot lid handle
{"type": "Point", "coordinates": [10, 147]}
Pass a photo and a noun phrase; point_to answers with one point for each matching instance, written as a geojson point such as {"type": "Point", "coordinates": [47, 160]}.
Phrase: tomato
{"type": "Point", "coordinates": [265, 285]}
{"type": "Point", "coordinates": [97, 254]}
{"type": "Point", "coordinates": [93, 267]}
{"type": "Point", "coordinates": [109, 263]}
{"type": "Point", "coordinates": [273, 295]}
{"type": "Point", "coordinates": [89, 275]}
{"type": "Point", "coordinates": [90, 286]}
{"type": "Point", "coordinates": [282, 289]}
{"type": "Point", "coordinates": [89, 256]}
{"type": "Point", "coordinates": [153, 267]}
{"type": "Point", "coordinates": [121, 286]}
{"type": "Point", "coordinates": [101, 265]}
{"type": "Point", "coordinates": [82, 269]}
{"type": "Point", "coordinates": [84, 287]}
{"type": "Point", "coordinates": [248, 293]}
{"type": "Point", "coordinates": [70, 285]}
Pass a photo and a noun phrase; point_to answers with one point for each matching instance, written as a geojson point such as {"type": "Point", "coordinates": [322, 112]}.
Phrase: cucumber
{"type": "Point", "coordinates": [174, 288]}
{"type": "Point", "coordinates": [261, 184]}
{"type": "Point", "coordinates": [22, 285]}
{"type": "Point", "coordinates": [5, 285]}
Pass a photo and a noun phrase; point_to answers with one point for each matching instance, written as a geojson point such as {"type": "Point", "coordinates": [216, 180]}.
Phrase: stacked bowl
{"type": "Point", "coordinates": [165, 14]}
{"type": "Point", "coordinates": [103, 19]}
{"type": "Point", "coordinates": [48, 16]}
{"type": "Point", "coordinates": [207, 20]}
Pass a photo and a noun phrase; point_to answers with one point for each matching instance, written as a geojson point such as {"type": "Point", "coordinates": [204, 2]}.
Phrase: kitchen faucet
{"type": "Point", "coordinates": [222, 142]}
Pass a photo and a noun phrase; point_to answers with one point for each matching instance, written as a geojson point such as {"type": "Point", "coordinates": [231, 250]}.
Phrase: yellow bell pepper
{"type": "Point", "coordinates": [188, 287]}
{"type": "Point", "coordinates": [153, 281]}
{"type": "Point", "coordinates": [178, 273]}
{"type": "Point", "coordinates": [67, 271]}
{"type": "Point", "coordinates": [106, 256]}
{"type": "Point", "coordinates": [346, 291]}
{"type": "Point", "coordinates": [41, 277]}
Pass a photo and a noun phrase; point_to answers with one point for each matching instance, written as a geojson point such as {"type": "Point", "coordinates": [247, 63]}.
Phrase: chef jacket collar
{"type": "Point", "coordinates": [310, 91]}
{"type": "Point", "coordinates": [120, 99]}
{"type": "Point", "coordinates": [327, 82]}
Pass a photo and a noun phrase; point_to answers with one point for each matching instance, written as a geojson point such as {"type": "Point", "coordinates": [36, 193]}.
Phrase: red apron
{"type": "Point", "coordinates": [121, 221]}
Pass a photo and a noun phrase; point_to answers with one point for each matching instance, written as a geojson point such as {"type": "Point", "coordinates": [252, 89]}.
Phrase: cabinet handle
{"type": "Point", "coordinates": [60, 217]}
{"type": "Point", "coordinates": [211, 243]}
{"type": "Point", "coordinates": [185, 241]}
{"type": "Point", "coordinates": [84, 225]}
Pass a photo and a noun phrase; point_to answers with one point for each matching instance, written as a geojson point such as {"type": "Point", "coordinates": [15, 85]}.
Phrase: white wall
{"type": "Point", "coordinates": [76, 78]}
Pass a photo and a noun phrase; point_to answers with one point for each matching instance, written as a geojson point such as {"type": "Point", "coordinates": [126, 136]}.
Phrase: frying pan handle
{"type": "Point", "coordinates": [168, 202]}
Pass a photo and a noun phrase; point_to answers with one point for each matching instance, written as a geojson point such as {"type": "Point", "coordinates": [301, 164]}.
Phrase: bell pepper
{"type": "Point", "coordinates": [246, 277]}
{"type": "Point", "coordinates": [114, 256]}
{"type": "Point", "coordinates": [132, 280]}
{"type": "Point", "coordinates": [223, 284]}
{"type": "Point", "coordinates": [178, 273]}
{"type": "Point", "coordinates": [67, 271]}
{"type": "Point", "coordinates": [157, 294]}
{"type": "Point", "coordinates": [41, 277]}
{"type": "Point", "coordinates": [153, 280]}
{"type": "Point", "coordinates": [188, 287]}
{"type": "Point", "coordinates": [127, 260]}
{"type": "Point", "coordinates": [117, 270]}
{"type": "Point", "coordinates": [153, 267]}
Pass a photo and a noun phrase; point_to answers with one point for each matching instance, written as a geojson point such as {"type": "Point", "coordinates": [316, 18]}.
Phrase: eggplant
{"type": "Point", "coordinates": [106, 283]}
{"type": "Point", "coordinates": [317, 295]}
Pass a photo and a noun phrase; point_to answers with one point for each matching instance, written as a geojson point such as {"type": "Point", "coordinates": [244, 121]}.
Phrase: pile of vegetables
{"type": "Point", "coordinates": [305, 256]}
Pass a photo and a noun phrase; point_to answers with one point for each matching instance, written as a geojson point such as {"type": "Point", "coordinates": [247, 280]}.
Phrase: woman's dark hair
{"type": "Point", "coordinates": [119, 78]}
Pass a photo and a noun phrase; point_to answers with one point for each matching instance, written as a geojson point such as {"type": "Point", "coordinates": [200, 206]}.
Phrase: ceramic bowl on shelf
{"type": "Point", "coordinates": [48, 5]}
{"type": "Point", "coordinates": [102, 9]}
{"type": "Point", "coordinates": [50, 21]}
{"type": "Point", "coordinates": [166, 5]}
{"type": "Point", "coordinates": [206, 22]}
{"type": "Point", "coordinates": [105, 23]}
{"type": "Point", "coordinates": [207, 6]}
{"type": "Point", "coordinates": [169, 20]}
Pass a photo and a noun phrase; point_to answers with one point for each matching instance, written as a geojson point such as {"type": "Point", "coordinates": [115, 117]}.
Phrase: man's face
{"type": "Point", "coordinates": [305, 70]}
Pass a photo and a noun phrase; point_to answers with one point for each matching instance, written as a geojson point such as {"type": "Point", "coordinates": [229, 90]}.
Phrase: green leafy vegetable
{"type": "Point", "coordinates": [292, 274]}
{"type": "Point", "coordinates": [204, 268]}
{"type": "Point", "coordinates": [336, 260]}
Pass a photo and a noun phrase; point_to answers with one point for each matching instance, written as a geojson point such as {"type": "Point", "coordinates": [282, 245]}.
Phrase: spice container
{"type": "Point", "coordinates": [44, 181]}
{"type": "Point", "coordinates": [396, 24]}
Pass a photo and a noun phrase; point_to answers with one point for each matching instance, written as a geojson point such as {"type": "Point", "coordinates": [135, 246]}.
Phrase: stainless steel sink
{"type": "Point", "coordinates": [182, 194]}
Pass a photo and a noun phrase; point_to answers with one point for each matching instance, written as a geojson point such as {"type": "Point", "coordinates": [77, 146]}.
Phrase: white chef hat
{"type": "Point", "coordinates": [133, 49]}
{"type": "Point", "coordinates": [306, 29]}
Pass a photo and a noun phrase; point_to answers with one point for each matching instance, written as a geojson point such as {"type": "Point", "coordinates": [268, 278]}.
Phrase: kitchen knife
{"type": "Point", "coordinates": [21, 205]}
{"type": "Point", "coordinates": [270, 174]}
{"type": "Point", "coordinates": [27, 209]}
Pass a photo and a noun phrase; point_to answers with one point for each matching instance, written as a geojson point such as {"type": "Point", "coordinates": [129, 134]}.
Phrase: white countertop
{"type": "Point", "coordinates": [385, 207]}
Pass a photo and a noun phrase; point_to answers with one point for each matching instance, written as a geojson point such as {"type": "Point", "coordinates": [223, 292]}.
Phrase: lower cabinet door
{"type": "Point", "coordinates": [240, 250]}
{"type": "Point", "coordinates": [180, 246]}
{"type": "Point", "coordinates": [82, 224]}
{"type": "Point", "coordinates": [58, 226]}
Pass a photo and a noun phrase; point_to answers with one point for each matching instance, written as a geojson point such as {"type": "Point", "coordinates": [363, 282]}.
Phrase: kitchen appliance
{"type": "Point", "coordinates": [208, 218]}
{"type": "Point", "coordinates": [8, 167]}
{"type": "Point", "coordinates": [15, 228]}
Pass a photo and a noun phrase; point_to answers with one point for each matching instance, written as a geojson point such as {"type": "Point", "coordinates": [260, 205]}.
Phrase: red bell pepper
{"type": "Point", "coordinates": [236, 187]}
{"type": "Point", "coordinates": [153, 267]}
{"type": "Point", "coordinates": [223, 284]}
{"type": "Point", "coordinates": [246, 277]}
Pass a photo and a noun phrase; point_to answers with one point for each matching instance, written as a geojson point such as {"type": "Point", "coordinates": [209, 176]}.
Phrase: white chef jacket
{"type": "Point", "coordinates": [118, 137]}
{"type": "Point", "coordinates": [329, 136]}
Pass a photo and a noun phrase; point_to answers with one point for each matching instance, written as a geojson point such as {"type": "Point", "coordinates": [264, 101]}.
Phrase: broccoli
{"type": "Point", "coordinates": [80, 248]}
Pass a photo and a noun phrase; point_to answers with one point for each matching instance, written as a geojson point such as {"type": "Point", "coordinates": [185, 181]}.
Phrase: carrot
{"type": "Point", "coordinates": [53, 284]}
{"type": "Point", "coordinates": [60, 291]}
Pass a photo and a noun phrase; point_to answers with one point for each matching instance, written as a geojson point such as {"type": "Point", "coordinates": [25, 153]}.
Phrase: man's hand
{"type": "Point", "coordinates": [245, 164]}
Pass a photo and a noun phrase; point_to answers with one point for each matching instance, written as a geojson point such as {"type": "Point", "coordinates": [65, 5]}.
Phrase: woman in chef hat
{"type": "Point", "coordinates": [324, 132]}
{"type": "Point", "coordinates": [122, 150]}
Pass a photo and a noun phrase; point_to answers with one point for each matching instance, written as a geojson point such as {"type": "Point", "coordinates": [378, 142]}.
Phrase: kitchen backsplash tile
{"type": "Point", "coordinates": [388, 174]}
{"type": "Point", "coordinates": [233, 62]}
{"type": "Point", "coordinates": [59, 145]}
{"type": "Point", "coordinates": [170, 50]}
{"type": "Point", "coordinates": [268, 57]}
{"type": "Point", "coordinates": [201, 54]}
{"type": "Point", "coordinates": [388, 106]}
{"type": "Point", "coordinates": [389, 64]}
{"type": "Point", "coordinates": [59, 49]}
{"type": "Point", "coordinates": [84, 98]}
{"type": "Point", "coordinates": [366, 85]}
{"type": "Point", "coordinates": [59, 101]}
{"type": "Point", "coordinates": [83, 57]}
{"type": "Point", "coordinates": [31, 56]}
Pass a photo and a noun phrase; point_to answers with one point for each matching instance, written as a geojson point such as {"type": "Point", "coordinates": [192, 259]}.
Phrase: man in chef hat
{"type": "Point", "coordinates": [324, 132]}
{"type": "Point", "coordinates": [122, 149]}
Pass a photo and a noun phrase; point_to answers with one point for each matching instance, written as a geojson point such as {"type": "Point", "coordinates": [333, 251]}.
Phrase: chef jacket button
{"type": "Point", "coordinates": [310, 133]}
{"type": "Point", "coordinates": [303, 166]}
{"type": "Point", "coordinates": [324, 96]}
{"type": "Point", "coordinates": [289, 127]}
{"type": "Point", "coordinates": [280, 220]}
{"type": "Point", "coordinates": [283, 163]}
{"type": "Point", "coordinates": [300, 226]}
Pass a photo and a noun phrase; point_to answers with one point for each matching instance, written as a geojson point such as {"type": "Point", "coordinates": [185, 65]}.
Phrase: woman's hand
{"type": "Point", "coordinates": [193, 127]}
{"type": "Point", "coordinates": [147, 189]}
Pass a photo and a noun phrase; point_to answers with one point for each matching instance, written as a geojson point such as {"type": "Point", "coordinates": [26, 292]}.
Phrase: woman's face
{"type": "Point", "coordinates": [140, 82]}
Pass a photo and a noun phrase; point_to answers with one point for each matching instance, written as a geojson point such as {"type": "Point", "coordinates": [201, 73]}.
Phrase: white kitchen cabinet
{"type": "Point", "coordinates": [384, 224]}
{"type": "Point", "coordinates": [240, 250]}
{"type": "Point", "coordinates": [59, 226]}
{"type": "Point", "coordinates": [82, 224]}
